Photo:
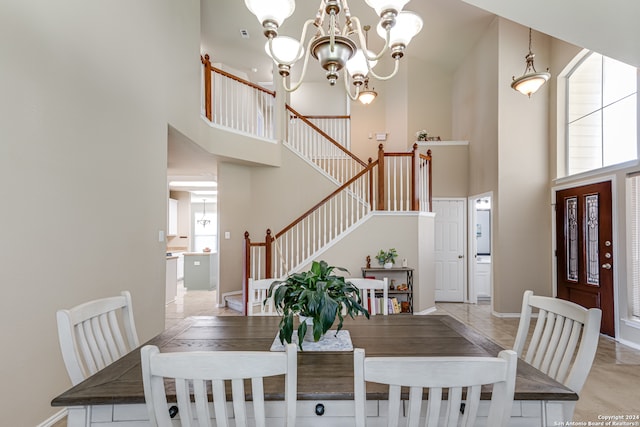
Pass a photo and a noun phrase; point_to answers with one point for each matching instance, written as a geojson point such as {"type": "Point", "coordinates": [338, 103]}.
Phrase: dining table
{"type": "Point", "coordinates": [114, 396]}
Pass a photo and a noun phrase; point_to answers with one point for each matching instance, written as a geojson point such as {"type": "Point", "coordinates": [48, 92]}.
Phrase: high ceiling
{"type": "Point", "coordinates": [451, 28]}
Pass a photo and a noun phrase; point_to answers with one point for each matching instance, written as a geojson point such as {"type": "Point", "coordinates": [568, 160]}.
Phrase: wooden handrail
{"type": "Point", "coordinates": [321, 117]}
{"type": "Point", "coordinates": [206, 60]}
{"type": "Point", "coordinates": [325, 135]}
{"type": "Point", "coordinates": [367, 169]}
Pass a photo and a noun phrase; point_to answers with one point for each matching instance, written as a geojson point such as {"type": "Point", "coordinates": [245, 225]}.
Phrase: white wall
{"type": "Point", "coordinates": [83, 157]}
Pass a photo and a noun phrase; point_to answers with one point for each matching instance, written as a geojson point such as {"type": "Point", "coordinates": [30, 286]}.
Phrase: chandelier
{"type": "Point", "coordinates": [333, 43]}
{"type": "Point", "coordinates": [531, 80]}
{"type": "Point", "coordinates": [204, 221]}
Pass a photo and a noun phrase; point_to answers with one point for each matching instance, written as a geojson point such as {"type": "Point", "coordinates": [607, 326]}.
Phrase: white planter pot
{"type": "Point", "coordinates": [388, 265]}
{"type": "Point", "coordinates": [308, 336]}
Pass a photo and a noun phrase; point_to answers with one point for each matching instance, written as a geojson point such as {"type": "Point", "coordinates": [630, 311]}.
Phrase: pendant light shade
{"type": "Point", "coordinates": [408, 24]}
{"type": "Point", "coordinates": [271, 14]}
{"type": "Point", "coordinates": [531, 80]}
{"type": "Point", "coordinates": [381, 6]}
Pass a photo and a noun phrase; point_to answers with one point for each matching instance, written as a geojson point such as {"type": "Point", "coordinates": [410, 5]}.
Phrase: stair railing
{"type": "Point", "coordinates": [319, 148]}
{"type": "Point", "coordinates": [239, 104]}
{"type": "Point", "coordinates": [393, 182]}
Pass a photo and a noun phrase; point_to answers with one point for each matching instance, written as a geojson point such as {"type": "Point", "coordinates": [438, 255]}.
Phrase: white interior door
{"type": "Point", "coordinates": [450, 249]}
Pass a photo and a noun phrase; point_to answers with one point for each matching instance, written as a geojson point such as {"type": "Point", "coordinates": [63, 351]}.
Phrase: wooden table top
{"type": "Point", "coordinates": [321, 375]}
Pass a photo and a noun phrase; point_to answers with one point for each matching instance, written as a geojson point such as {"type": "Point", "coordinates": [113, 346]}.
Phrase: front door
{"type": "Point", "coordinates": [449, 249]}
{"type": "Point", "coordinates": [585, 249]}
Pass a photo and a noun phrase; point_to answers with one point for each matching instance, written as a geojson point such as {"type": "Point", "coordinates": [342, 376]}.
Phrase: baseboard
{"type": "Point", "coordinates": [53, 419]}
{"type": "Point", "coordinates": [426, 311]}
{"type": "Point", "coordinates": [505, 315]}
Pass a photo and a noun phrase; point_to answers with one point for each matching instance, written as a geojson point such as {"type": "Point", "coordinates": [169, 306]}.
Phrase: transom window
{"type": "Point", "coordinates": [601, 123]}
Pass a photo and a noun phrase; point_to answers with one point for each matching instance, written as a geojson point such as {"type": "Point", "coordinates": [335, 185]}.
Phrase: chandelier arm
{"type": "Point", "coordinates": [346, 86]}
{"type": "Point", "coordinates": [363, 42]}
{"type": "Point", "coordinates": [395, 70]}
{"type": "Point", "coordinates": [302, 37]}
{"type": "Point", "coordinates": [304, 71]}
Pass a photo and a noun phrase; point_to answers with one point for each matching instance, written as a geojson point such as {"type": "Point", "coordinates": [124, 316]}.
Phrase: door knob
{"type": "Point", "coordinates": [606, 266]}
{"type": "Point", "coordinates": [460, 256]}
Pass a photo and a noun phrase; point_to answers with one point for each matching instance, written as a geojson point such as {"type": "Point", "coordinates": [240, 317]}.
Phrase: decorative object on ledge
{"type": "Point", "coordinates": [421, 135]}
{"type": "Point", "coordinates": [332, 46]}
{"type": "Point", "coordinates": [387, 258]}
{"type": "Point", "coordinates": [204, 221]}
{"type": "Point", "coordinates": [531, 80]}
{"type": "Point", "coordinates": [317, 295]}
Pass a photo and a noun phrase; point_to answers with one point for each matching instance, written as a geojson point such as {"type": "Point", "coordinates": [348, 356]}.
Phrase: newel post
{"type": "Point", "coordinates": [267, 255]}
{"type": "Point", "coordinates": [246, 271]}
{"type": "Point", "coordinates": [207, 86]}
{"type": "Point", "coordinates": [371, 185]}
{"type": "Point", "coordinates": [415, 177]}
{"type": "Point", "coordinates": [380, 177]}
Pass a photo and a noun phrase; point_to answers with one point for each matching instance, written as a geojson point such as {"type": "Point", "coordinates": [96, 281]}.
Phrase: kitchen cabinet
{"type": "Point", "coordinates": [171, 288]}
{"type": "Point", "coordinates": [172, 228]}
{"type": "Point", "coordinates": [200, 270]}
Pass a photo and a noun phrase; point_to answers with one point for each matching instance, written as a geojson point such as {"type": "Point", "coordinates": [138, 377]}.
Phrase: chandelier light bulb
{"type": "Point", "coordinates": [408, 24]}
{"type": "Point", "coordinates": [381, 6]}
{"type": "Point", "coordinates": [357, 65]}
{"type": "Point", "coordinates": [287, 50]}
{"type": "Point", "coordinates": [271, 14]}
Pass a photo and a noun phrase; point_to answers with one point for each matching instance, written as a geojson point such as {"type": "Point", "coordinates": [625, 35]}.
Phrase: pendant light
{"type": "Point", "coordinates": [204, 221]}
{"type": "Point", "coordinates": [531, 80]}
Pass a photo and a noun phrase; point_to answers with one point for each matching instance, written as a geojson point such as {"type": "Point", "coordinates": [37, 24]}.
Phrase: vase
{"type": "Point", "coordinates": [388, 264]}
{"type": "Point", "coordinates": [308, 336]}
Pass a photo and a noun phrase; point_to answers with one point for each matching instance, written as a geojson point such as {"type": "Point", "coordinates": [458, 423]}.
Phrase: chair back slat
{"type": "Point", "coordinates": [369, 289]}
{"type": "Point", "coordinates": [564, 340]}
{"type": "Point", "coordinates": [217, 368]}
{"type": "Point", "coordinates": [453, 407]}
{"type": "Point", "coordinates": [457, 375]}
{"type": "Point", "coordinates": [257, 302]}
{"type": "Point", "coordinates": [91, 334]}
{"type": "Point", "coordinates": [220, 403]}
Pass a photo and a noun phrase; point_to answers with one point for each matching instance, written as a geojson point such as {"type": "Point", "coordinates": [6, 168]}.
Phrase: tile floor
{"type": "Point", "coordinates": [613, 386]}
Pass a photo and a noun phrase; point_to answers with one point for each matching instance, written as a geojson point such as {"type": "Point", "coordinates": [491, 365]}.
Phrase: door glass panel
{"type": "Point", "coordinates": [571, 212]}
{"type": "Point", "coordinates": [591, 230]}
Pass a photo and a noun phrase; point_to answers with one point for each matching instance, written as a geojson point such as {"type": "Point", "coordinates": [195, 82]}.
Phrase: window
{"type": "Point", "coordinates": [205, 235]}
{"type": "Point", "coordinates": [601, 114]}
{"type": "Point", "coordinates": [634, 216]}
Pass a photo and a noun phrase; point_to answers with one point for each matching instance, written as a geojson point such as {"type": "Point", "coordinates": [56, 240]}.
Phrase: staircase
{"type": "Point", "coordinates": [391, 182]}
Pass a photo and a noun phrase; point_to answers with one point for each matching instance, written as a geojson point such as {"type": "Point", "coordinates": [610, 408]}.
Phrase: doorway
{"type": "Point", "coordinates": [480, 246]}
{"type": "Point", "coordinates": [584, 236]}
{"type": "Point", "coordinates": [450, 236]}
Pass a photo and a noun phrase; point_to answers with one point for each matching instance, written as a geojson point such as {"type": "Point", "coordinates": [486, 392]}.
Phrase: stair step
{"type": "Point", "coordinates": [234, 302]}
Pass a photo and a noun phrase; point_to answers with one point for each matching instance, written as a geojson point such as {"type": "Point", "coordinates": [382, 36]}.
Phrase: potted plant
{"type": "Point", "coordinates": [387, 258]}
{"type": "Point", "coordinates": [317, 295]}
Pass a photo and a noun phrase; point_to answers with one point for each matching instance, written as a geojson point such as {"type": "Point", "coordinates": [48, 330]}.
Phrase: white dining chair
{"type": "Point", "coordinates": [563, 343]}
{"type": "Point", "coordinates": [368, 290]}
{"type": "Point", "coordinates": [439, 375]}
{"type": "Point", "coordinates": [257, 302]}
{"type": "Point", "coordinates": [94, 334]}
{"type": "Point", "coordinates": [197, 373]}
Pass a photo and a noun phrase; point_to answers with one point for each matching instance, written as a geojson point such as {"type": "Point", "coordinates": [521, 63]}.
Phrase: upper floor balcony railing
{"type": "Point", "coordinates": [239, 104]}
